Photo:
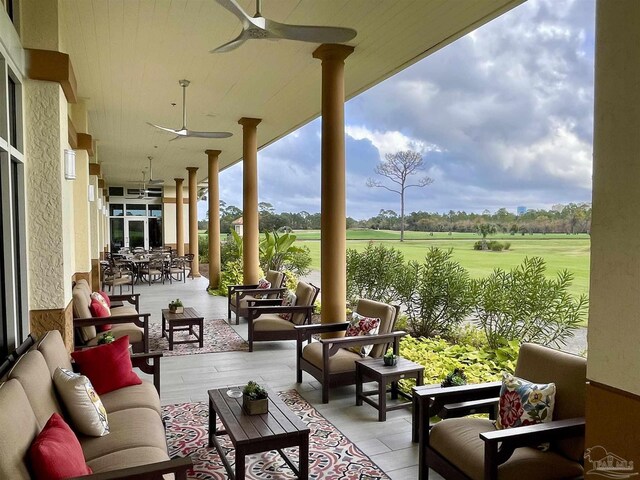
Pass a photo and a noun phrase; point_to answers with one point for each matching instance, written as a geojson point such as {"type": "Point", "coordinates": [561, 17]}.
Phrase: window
{"type": "Point", "coordinates": [155, 211]}
{"type": "Point", "coordinates": [116, 191]}
{"type": "Point", "coordinates": [136, 210]}
{"type": "Point", "coordinates": [116, 210]}
{"type": "Point", "coordinates": [13, 116]}
{"type": "Point", "coordinates": [117, 233]}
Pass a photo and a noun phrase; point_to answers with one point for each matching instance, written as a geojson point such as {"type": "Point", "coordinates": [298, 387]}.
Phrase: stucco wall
{"type": "Point", "coordinates": [48, 287]}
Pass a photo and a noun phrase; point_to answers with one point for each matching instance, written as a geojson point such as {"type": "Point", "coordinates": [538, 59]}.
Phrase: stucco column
{"type": "Point", "coordinates": [179, 217]}
{"type": "Point", "coordinates": [613, 392]}
{"type": "Point", "coordinates": [193, 221]}
{"type": "Point", "coordinates": [214, 218]}
{"type": "Point", "coordinates": [250, 226]}
{"type": "Point", "coordinates": [333, 261]}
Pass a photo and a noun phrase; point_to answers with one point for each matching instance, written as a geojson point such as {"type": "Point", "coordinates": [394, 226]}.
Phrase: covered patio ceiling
{"type": "Point", "coordinates": [128, 56]}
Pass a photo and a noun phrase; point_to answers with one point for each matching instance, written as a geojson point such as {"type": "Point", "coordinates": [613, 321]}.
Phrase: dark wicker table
{"type": "Point", "coordinates": [375, 369]}
{"type": "Point", "coordinates": [180, 322]}
{"type": "Point", "coordinates": [275, 430]}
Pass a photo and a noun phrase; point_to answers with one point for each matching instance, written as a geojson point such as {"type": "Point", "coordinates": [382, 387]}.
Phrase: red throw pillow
{"type": "Point", "coordinates": [107, 366]}
{"type": "Point", "coordinates": [98, 310]}
{"type": "Point", "coordinates": [106, 298]}
{"type": "Point", "coordinates": [56, 452]}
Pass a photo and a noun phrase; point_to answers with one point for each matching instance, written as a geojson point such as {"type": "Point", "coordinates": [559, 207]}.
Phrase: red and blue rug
{"type": "Point", "coordinates": [332, 456]}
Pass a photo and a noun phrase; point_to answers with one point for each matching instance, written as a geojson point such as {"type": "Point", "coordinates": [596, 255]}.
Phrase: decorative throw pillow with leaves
{"type": "Point", "coordinates": [524, 403]}
{"type": "Point", "coordinates": [359, 326]}
{"type": "Point", "coordinates": [289, 301]}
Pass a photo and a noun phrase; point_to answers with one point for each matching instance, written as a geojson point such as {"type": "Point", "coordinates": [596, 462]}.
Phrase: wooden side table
{"type": "Point", "coordinates": [277, 429]}
{"type": "Point", "coordinates": [182, 322]}
{"type": "Point", "coordinates": [375, 369]}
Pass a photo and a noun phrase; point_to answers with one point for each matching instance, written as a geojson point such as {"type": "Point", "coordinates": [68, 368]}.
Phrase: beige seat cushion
{"type": "Point", "coordinates": [32, 372]}
{"type": "Point", "coordinates": [135, 333]}
{"type": "Point", "coordinates": [387, 315]}
{"type": "Point", "coordinates": [131, 428]}
{"type": "Point", "coordinates": [268, 322]}
{"type": "Point", "coordinates": [131, 457]}
{"type": "Point", "coordinates": [19, 427]}
{"type": "Point", "coordinates": [541, 365]}
{"type": "Point", "coordinates": [342, 361]}
{"type": "Point", "coordinates": [244, 301]}
{"type": "Point", "coordinates": [458, 441]}
{"type": "Point", "coordinates": [124, 310]}
{"type": "Point", "coordinates": [52, 348]}
{"type": "Point", "coordinates": [135, 396]}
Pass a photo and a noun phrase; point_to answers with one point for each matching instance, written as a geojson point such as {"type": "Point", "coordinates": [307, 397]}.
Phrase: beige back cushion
{"type": "Point", "coordinates": [81, 301]}
{"type": "Point", "coordinates": [304, 296]}
{"type": "Point", "coordinates": [32, 372]}
{"type": "Point", "coordinates": [19, 427]}
{"type": "Point", "coordinates": [52, 348]}
{"type": "Point", "coordinates": [275, 278]}
{"type": "Point", "coordinates": [540, 364]}
{"type": "Point", "coordinates": [387, 315]}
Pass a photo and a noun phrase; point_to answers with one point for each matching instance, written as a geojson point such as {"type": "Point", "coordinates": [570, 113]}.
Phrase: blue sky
{"type": "Point", "coordinates": [503, 117]}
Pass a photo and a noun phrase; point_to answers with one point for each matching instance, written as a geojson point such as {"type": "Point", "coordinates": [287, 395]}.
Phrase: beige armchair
{"type": "Point", "coordinates": [238, 296]}
{"type": "Point", "coordinates": [265, 322]}
{"type": "Point", "coordinates": [472, 448]}
{"type": "Point", "coordinates": [330, 361]}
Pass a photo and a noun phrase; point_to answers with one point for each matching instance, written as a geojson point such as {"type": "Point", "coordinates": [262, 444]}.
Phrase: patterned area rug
{"type": "Point", "coordinates": [332, 456]}
{"type": "Point", "coordinates": [218, 337]}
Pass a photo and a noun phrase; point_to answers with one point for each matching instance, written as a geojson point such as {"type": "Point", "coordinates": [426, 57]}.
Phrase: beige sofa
{"type": "Point", "coordinates": [125, 319]}
{"type": "Point", "coordinates": [136, 442]}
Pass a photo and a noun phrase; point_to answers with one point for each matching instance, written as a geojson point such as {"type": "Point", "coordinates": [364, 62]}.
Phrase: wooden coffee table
{"type": "Point", "coordinates": [375, 369]}
{"type": "Point", "coordinates": [275, 430]}
{"type": "Point", "coordinates": [182, 322]}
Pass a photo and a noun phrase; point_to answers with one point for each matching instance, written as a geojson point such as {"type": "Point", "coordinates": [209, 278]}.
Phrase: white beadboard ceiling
{"type": "Point", "coordinates": [128, 56]}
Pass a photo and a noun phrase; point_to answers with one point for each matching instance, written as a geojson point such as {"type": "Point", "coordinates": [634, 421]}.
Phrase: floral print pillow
{"type": "Point", "coordinates": [524, 403]}
{"type": "Point", "coordinates": [289, 301]}
{"type": "Point", "coordinates": [360, 325]}
{"type": "Point", "coordinates": [263, 284]}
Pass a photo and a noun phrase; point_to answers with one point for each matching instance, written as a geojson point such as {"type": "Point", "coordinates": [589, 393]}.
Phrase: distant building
{"type": "Point", "coordinates": [238, 225]}
{"type": "Point", "coordinates": [521, 210]}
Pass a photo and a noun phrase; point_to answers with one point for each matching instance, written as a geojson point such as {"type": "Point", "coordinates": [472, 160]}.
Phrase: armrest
{"type": "Point", "coordinates": [178, 466]}
{"type": "Point", "coordinates": [149, 363]}
{"type": "Point", "coordinates": [462, 409]}
{"type": "Point", "coordinates": [133, 298]}
{"type": "Point", "coordinates": [255, 312]}
{"type": "Point", "coordinates": [263, 302]}
{"type": "Point", "coordinates": [247, 291]}
{"type": "Point", "coordinates": [140, 320]}
{"type": "Point", "coordinates": [334, 344]}
{"type": "Point", "coordinates": [305, 331]}
{"type": "Point", "coordinates": [499, 445]}
{"type": "Point", "coordinates": [232, 288]}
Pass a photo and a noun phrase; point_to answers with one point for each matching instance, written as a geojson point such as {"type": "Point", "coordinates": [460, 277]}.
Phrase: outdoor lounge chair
{"type": "Point", "coordinates": [472, 448]}
{"type": "Point", "coordinates": [239, 295]}
{"type": "Point", "coordinates": [330, 361]}
{"type": "Point", "coordinates": [266, 323]}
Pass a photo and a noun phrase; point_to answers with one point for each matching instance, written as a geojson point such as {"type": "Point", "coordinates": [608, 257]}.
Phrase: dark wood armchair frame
{"type": "Point", "coordinates": [450, 402]}
{"type": "Point", "coordinates": [274, 305]}
{"type": "Point", "coordinates": [110, 271]}
{"type": "Point", "coordinates": [141, 320]}
{"type": "Point", "coordinates": [241, 291]}
{"type": "Point", "coordinates": [329, 348]}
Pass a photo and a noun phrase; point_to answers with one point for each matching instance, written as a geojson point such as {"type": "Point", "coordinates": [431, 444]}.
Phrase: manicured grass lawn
{"type": "Point", "coordinates": [560, 252]}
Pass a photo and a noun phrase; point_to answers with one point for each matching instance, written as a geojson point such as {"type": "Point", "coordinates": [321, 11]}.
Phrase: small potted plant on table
{"type": "Point", "coordinates": [390, 358]}
{"type": "Point", "coordinates": [175, 306]}
{"type": "Point", "coordinates": [106, 337]}
{"type": "Point", "coordinates": [255, 399]}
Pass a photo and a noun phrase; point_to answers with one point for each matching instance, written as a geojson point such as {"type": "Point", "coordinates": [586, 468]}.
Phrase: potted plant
{"type": "Point", "coordinates": [454, 379]}
{"type": "Point", "coordinates": [390, 358]}
{"type": "Point", "coordinates": [175, 306]}
{"type": "Point", "coordinates": [106, 337]}
{"type": "Point", "coordinates": [255, 399]}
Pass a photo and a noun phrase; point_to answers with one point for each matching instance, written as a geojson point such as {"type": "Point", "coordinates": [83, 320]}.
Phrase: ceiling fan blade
{"type": "Point", "coordinates": [233, 44]}
{"type": "Point", "coordinates": [196, 134]}
{"type": "Point", "coordinates": [156, 181]}
{"type": "Point", "coordinates": [170, 130]}
{"type": "Point", "coordinates": [237, 10]}
{"type": "Point", "coordinates": [311, 33]}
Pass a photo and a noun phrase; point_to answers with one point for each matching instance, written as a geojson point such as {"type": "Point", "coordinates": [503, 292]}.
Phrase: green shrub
{"type": "Point", "coordinates": [507, 245]}
{"type": "Point", "coordinates": [373, 273]}
{"type": "Point", "coordinates": [203, 248]}
{"type": "Point", "coordinates": [231, 275]}
{"type": "Point", "coordinates": [523, 305]}
{"type": "Point", "coordinates": [436, 294]}
{"type": "Point", "coordinates": [478, 245]}
{"type": "Point", "coordinates": [290, 280]}
{"type": "Point", "coordinates": [228, 252]}
{"type": "Point", "coordinates": [440, 357]}
{"type": "Point", "coordinates": [277, 252]}
{"type": "Point", "coordinates": [495, 246]}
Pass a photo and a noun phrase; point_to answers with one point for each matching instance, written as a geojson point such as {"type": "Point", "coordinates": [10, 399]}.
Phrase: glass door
{"type": "Point", "coordinates": [136, 234]}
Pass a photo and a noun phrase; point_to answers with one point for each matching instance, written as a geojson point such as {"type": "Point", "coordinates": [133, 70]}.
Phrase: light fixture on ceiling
{"type": "Point", "coordinates": [184, 132]}
{"type": "Point", "coordinates": [69, 164]}
{"type": "Point", "coordinates": [258, 27]}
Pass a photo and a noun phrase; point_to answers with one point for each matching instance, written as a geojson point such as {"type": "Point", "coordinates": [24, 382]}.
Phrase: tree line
{"type": "Point", "coordinates": [572, 218]}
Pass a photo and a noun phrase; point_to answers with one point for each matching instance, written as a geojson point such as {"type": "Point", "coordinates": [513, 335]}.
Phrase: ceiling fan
{"type": "Point", "coordinates": [153, 181]}
{"type": "Point", "coordinates": [184, 132]}
{"type": "Point", "coordinates": [258, 27]}
{"type": "Point", "coordinates": [143, 187]}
